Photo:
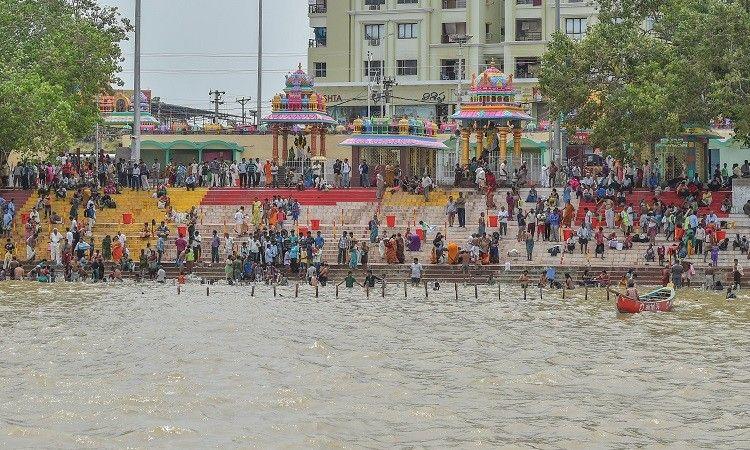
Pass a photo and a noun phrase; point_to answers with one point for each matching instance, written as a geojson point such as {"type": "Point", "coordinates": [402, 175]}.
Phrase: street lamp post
{"type": "Point", "coordinates": [461, 40]}
{"type": "Point", "coordinates": [135, 152]}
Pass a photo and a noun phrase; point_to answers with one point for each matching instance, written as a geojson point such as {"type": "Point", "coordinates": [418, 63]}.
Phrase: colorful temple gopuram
{"type": "Point", "coordinates": [299, 104]}
{"type": "Point", "coordinates": [408, 143]}
{"type": "Point", "coordinates": [493, 113]}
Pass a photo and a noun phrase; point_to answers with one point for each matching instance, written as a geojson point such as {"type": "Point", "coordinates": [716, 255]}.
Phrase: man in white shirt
{"type": "Point", "coordinates": [426, 186]}
{"type": "Point", "coordinates": [416, 272]}
{"type": "Point", "coordinates": [54, 244]}
{"type": "Point", "coordinates": [239, 217]}
{"type": "Point", "coordinates": [346, 170]}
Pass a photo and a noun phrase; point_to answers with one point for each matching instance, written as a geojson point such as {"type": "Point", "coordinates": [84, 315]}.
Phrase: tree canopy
{"type": "Point", "coordinates": [649, 68]}
{"type": "Point", "coordinates": [56, 56]}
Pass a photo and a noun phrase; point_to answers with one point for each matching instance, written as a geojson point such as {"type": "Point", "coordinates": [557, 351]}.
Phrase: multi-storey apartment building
{"type": "Point", "coordinates": [356, 42]}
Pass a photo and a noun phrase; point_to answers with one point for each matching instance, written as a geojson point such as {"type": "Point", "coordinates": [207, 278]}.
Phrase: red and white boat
{"type": "Point", "coordinates": [659, 300]}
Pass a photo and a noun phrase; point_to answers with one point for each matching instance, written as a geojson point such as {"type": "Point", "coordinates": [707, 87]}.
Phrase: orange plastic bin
{"type": "Point", "coordinates": [420, 233]}
{"type": "Point", "coordinates": [182, 230]}
{"type": "Point", "coordinates": [721, 235]}
{"type": "Point", "coordinates": [315, 224]}
{"type": "Point", "coordinates": [567, 233]}
{"type": "Point", "coordinates": [302, 231]}
{"type": "Point", "coordinates": [390, 221]}
{"type": "Point", "coordinates": [127, 218]}
{"type": "Point", "coordinates": [24, 218]}
{"type": "Point", "coordinates": [493, 221]}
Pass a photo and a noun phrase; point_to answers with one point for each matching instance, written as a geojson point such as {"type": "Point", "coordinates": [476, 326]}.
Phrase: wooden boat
{"type": "Point", "coordinates": [658, 300]}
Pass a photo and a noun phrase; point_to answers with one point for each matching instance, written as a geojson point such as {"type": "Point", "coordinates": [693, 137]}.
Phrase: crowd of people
{"type": "Point", "coordinates": [266, 246]}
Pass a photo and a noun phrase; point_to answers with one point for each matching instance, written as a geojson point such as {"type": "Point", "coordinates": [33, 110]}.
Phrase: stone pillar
{"type": "Point", "coordinates": [285, 145]}
{"type": "Point", "coordinates": [275, 131]}
{"type": "Point", "coordinates": [322, 141]}
{"type": "Point", "coordinates": [480, 142]}
{"type": "Point", "coordinates": [465, 146]}
{"type": "Point", "coordinates": [313, 140]}
{"type": "Point", "coordinates": [503, 144]}
{"type": "Point", "coordinates": [517, 146]}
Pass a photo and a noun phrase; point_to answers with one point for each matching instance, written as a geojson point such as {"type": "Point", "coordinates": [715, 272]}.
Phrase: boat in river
{"type": "Point", "coordinates": [659, 300]}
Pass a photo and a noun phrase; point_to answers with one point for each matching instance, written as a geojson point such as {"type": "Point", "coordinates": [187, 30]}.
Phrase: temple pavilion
{"type": "Point", "coordinates": [410, 144]}
{"type": "Point", "coordinates": [493, 113]}
{"type": "Point", "coordinates": [299, 110]}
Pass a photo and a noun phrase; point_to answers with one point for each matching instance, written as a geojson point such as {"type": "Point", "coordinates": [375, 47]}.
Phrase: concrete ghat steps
{"type": "Point", "coordinates": [481, 275]}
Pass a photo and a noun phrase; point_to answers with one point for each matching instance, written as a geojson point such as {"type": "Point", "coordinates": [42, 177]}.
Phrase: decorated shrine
{"type": "Point", "coordinates": [410, 144]}
{"type": "Point", "coordinates": [299, 105]}
{"type": "Point", "coordinates": [493, 113]}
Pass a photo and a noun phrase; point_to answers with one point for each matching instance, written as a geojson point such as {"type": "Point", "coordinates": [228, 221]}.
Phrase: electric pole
{"type": "Point", "coordinates": [369, 81]}
{"type": "Point", "coordinates": [558, 121]}
{"type": "Point", "coordinates": [216, 101]}
{"type": "Point", "coordinates": [461, 40]}
{"type": "Point", "coordinates": [388, 84]}
{"type": "Point", "coordinates": [135, 146]}
{"type": "Point", "coordinates": [259, 94]}
{"type": "Point", "coordinates": [243, 101]}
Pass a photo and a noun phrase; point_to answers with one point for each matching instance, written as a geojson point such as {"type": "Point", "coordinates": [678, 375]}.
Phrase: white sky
{"type": "Point", "coordinates": [190, 47]}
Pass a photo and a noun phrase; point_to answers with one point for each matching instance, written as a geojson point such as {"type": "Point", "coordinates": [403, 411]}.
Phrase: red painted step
{"type": "Point", "coordinates": [238, 196]}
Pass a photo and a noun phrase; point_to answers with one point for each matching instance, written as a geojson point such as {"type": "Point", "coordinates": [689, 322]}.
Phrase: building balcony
{"type": "Point", "coordinates": [454, 4]}
{"type": "Point", "coordinates": [314, 43]}
{"type": "Point", "coordinates": [529, 36]}
{"type": "Point", "coordinates": [318, 8]}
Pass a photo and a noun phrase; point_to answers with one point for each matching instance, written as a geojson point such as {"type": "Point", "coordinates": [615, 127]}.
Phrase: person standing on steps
{"type": "Point", "coordinates": [461, 210]}
{"type": "Point", "coordinates": [450, 210]}
{"type": "Point", "coordinates": [343, 248]}
{"type": "Point", "coordinates": [503, 221]}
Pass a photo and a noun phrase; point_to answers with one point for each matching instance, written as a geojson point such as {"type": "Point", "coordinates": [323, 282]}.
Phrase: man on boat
{"type": "Point", "coordinates": [632, 292]}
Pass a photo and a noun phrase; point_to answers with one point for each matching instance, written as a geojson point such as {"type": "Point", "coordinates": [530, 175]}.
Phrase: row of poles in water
{"type": "Point", "coordinates": [406, 291]}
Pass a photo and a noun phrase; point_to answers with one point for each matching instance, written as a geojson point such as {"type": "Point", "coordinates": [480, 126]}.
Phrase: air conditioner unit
{"type": "Point", "coordinates": [374, 42]}
{"type": "Point", "coordinates": [374, 7]}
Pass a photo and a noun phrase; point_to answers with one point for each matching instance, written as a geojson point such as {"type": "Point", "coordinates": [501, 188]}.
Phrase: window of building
{"type": "Point", "coordinates": [454, 4]}
{"type": "Point", "coordinates": [406, 2]}
{"type": "Point", "coordinates": [406, 67]}
{"type": "Point", "coordinates": [449, 69]}
{"type": "Point", "coordinates": [451, 29]}
{"type": "Point", "coordinates": [374, 4]}
{"type": "Point", "coordinates": [529, 30]}
{"type": "Point", "coordinates": [529, 2]}
{"type": "Point", "coordinates": [321, 35]}
{"type": "Point", "coordinates": [373, 69]}
{"type": "Point", "coordinates": [527, 67]}
{"type": "Point", "coordinates": [320, 69]}
{"type": "Point", "coordinates": [575, 27]}
{"type": "Point", "coordinates": [374, 31]}
{"type": "Point", "coordinates": [407, 30]}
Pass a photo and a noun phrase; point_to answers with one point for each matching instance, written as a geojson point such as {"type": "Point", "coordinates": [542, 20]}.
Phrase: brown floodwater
{"type": "Point", "coordinates": [140, 366]}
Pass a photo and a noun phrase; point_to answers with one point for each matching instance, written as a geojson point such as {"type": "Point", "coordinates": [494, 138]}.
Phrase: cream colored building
{"type": "Point", "coordinates": [410, 40]}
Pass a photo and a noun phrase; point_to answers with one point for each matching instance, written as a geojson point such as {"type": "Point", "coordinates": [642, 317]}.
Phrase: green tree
{"type": "Point", "coordinates": [631, 84]}
{"type": "Point", "coordinates": [55, 54]}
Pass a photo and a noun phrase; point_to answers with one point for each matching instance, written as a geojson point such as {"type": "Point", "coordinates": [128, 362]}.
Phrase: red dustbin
{"type": "Point", "coordinates": [182, 230]}
{"type": "Point", "coordinates": [302, 230]}
{"type": "Point", "coordinates": [493, 221]}
{"type": "Point", "coordinates": [721, 235]}
{"type": "Point", "coordinates": [390, 221]}
{"type": "Point", "coordinates": [24, 218]}
{"type": "Point", "coordinates": [420, 233]}
{"type": "Point", "coordinates": [127, 218]}
{"type": "Point", "coordinates": [315, 224]}
{"type": "Point", "coordinates": [567, 233]}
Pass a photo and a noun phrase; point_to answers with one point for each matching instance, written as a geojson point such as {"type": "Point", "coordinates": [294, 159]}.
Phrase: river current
{"type": "Point", "coordinates": [141, 366]}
